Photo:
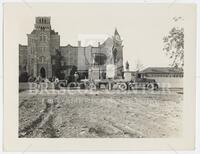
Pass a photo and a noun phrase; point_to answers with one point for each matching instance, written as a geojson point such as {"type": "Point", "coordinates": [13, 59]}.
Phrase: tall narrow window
{"type": "Point", "coordinates": [44, 38]}
{"type": "Point", "coordinates": [40, 37]}
{"type": "Point", "coordinates": [42, 59]}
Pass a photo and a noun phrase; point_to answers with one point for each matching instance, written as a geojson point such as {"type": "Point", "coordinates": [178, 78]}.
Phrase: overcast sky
{"type": "Point", "coordinates": [142, 27]}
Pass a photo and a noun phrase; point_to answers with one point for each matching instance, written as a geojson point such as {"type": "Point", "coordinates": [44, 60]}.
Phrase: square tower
{"type": "Point", "coordinates": [42, 43]}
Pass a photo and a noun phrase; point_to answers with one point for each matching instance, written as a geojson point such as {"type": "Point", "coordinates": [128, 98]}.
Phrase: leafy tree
{"type": "Point", "coordinates": [174, 46]}
{"type": "Point", "coordinates": [58, 66]}
{"type": "Point", "coordinates": [23, 77]}
{"type": "Point", "coordinates": [73, 70]}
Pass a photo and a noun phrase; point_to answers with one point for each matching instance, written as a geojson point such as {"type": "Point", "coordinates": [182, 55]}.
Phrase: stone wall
{"type": "Point", "coordinates": [168, 82]}
{"type": "Point", "coordinates": [54, 43]}
{"type": "Point", "coordinates": [22, 58]}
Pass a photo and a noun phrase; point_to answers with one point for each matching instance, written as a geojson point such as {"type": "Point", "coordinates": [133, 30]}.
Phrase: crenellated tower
{"type": "Point", "coordinates": [42, 43]}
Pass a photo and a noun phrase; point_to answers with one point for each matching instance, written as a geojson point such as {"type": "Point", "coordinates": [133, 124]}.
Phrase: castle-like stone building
{"type": "Point", "coordinates": [39, 56]}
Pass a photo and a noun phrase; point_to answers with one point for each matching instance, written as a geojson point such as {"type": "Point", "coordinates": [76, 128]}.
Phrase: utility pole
{"type": "Point", "coordinates": [100, 63]}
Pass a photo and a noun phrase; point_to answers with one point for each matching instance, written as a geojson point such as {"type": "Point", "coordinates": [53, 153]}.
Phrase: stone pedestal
{"type": "Point", "coordinates": [127, 75]}
{"type": "Point", "coordinates": [93, 73]}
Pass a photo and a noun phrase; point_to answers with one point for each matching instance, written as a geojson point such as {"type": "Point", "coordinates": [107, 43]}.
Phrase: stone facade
{"type": "Point", "coordinates": [42, 42]}
{"type": "Point", "coordinates": [22, 58]}
{"type": "Point", "coordinates": [37, 58]}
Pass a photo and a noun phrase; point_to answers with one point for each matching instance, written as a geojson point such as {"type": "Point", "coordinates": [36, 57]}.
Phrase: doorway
{"type": "Point", "coordinates": [42, 72]}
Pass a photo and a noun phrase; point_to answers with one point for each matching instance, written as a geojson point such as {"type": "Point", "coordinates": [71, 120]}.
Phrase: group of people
{"type": "Point", "coordinates": [54, 80]}
{"type": "Point", "coordinates": [40, 80]}
{"type": "Point", "coordinates": [46, 80]}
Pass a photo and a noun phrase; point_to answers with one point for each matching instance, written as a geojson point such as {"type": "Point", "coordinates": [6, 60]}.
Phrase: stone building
{"type": "Point", "coordinates": [38, 57]}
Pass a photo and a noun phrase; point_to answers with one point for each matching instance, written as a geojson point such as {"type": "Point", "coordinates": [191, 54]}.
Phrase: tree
{"type": "Point", "coordinates": [23, 77]}
{"type": "Point", "coordinates": [174, 45]}
{"type": "Point", "coordinates": [73, 70]}
{"type": "Point", "coordinates": [58, 67]}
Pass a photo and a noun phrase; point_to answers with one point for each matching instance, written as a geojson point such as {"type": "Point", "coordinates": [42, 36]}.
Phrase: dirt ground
{"type": "Point", "coordinates": [92, 114]}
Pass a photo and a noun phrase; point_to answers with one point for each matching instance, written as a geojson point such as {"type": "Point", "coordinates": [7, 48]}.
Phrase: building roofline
{"type": "Point", "coordinates": [23, 45]}
{"type": "Point", "coordinates": [163, 70]}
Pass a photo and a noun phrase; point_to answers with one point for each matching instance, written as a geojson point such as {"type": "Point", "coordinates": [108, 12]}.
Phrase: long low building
{"type": "Point", "coordinates": [167, 77]}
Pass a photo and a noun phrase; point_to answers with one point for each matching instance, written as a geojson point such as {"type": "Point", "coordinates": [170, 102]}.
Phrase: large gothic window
{"type": "Point", "coordinates": [100, 59]}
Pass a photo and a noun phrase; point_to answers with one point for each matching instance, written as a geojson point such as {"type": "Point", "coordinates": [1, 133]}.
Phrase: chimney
{"type": "Point", "coordinates": [79, 43]}
{"type": "Point", "coordinates": [99, 44]}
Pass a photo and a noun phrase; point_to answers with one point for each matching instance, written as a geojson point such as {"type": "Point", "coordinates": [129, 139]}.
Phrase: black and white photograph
{"type": "Point", "coordinates": [114, 71]}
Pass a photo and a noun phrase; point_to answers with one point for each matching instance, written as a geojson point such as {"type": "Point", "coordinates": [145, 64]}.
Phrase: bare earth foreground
{"type": "Point", "coordinates": [136, 114]}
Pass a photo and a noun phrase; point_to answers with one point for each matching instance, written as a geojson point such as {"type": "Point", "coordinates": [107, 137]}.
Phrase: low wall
{"type": "Point", "coordinates": [29, 85]}
{"type": "Point", "coordinates": [23, 86]}
{"type": "Point", "coordinates": [168, 82]}
{"type": "Point", "coordinates": [164, 82]}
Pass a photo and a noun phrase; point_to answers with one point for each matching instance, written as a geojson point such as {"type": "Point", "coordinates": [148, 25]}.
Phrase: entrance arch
{"type": "Point", "coordinates": [42, 72]}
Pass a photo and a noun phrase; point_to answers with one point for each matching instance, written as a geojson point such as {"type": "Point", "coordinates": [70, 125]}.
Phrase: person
{"type": "Point", "coordinates": [53, 79]}
{"type": "Point", "coordinates": [66, 81]}
{"type": "Point", "coordinates": [76, 76]}
{"type": "Point", "coordinates": [56, 82]}
{"type": "Point", "coordinates": [46, 80]}
{"type": "Point", "coordinates": [46, 83]}
{"type": "Point", "coordinates": [38, 80]}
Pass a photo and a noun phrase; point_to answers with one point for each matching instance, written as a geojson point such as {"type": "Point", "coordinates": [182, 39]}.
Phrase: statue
{"type": "Point", "coordinates": [127, 65]}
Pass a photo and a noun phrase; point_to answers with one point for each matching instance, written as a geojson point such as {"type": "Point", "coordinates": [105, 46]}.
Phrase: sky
{"type": "Point", "coordinates": [142, 27]}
